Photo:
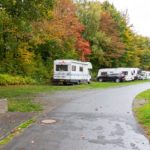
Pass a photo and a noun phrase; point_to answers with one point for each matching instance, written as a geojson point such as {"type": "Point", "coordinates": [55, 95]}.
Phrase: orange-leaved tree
{"type": "Point", "coordinates": [63, 26]}
{"type": "Point", "coordinates": [116, 47]}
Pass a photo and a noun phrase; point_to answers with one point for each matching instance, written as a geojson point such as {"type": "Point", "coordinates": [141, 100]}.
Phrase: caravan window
{"type": "Point", "coordinates": [61, 67]}
{"type": "Point", "coordinates": [104, 73]}
{"type": "Point", "coordinates": [81, 69]}
{"type": "Point", "coordinates": [125, 72]}
{"type": "Point", "coordinates": [139, 71]}
{"type": "Point", "coordinates": [73, 68]}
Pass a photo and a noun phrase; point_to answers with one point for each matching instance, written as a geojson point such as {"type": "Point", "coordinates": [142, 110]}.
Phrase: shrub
{"type": "Point", "coordinates": [6, 79]}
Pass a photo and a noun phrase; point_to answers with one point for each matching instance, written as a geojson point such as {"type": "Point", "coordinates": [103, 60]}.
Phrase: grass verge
{"type": "Point", "coordinates": [23, 105]}
{"type": "Point", "coordinates": [17, 131]}
{"type": "Point", "coordinates": [20, 98]}
{"type": "Point", "coordinates": [142, 110]}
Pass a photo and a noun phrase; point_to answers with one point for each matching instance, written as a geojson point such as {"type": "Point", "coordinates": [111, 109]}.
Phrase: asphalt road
{"type": "Point", "coordinates": [90, 120]}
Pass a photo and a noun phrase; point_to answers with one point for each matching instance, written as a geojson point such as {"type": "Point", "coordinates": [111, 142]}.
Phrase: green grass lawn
{"type": "Point", "coordinates": [20, 97]}
{"type": "Point", "coordinates": [143, 112]}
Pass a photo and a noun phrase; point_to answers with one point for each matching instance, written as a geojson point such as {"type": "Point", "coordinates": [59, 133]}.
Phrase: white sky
{"type": "Point", "coordinates": [139, 14]}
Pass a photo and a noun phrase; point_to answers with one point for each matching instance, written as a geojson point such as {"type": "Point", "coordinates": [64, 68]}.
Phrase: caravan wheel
{"type": "Point", "coordinates": [117, 80]}
{"type": "Point", "coordinates": [100, 80]}
{"type": "Point", "coordinates": [78, 82]}
{"type": "Point", "coordinates": [89, 82]}
{"type": "Point", "coordinates": [64, 83]}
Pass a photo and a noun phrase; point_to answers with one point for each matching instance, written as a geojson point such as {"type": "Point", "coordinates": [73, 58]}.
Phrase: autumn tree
{"type": "Point", "coordinates": [66, 13]}
{"type": "Point", "coordinates": [65, 29]}
{"type": "Point", "coordinates": [115, 49]}
{"type": "Point", "coordinates": [17, 36]}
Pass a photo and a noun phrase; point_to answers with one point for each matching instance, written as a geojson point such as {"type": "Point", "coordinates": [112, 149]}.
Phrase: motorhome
{"type": "Point", "coordinates": [71, 72]}
{"type": "Point", "coordinates": [136, 72]}
{"type": "Point", "coordinates": [115, 74]}
{"type": "Point", "coordinates": [144, 75]}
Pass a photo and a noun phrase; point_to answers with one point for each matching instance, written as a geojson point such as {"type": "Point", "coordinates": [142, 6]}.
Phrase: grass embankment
{"type": "Point", "coordinates": [20, 98]}
{"type": "Point", "coordinates": [142, 110]}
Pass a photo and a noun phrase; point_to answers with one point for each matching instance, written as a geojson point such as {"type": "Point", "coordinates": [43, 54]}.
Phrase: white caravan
{"type": "Point", "coordinates": [136, 72]}
{"type": "Point", "coordinates": [115, 74]}
{"type": "Point", "coordinates": [71, 71]}
{"type": "Point", "coordinates": [144, 75]}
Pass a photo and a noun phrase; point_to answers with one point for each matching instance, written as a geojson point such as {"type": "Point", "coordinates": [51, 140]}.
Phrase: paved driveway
{"type": "Point", "coordinates": [91, 120]}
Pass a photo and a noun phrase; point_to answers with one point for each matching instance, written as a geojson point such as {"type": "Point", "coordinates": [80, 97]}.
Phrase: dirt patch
{"type": "Point", "coordinates": [139, 103]}
{"type": "Point", "coordinates": [50, 101]}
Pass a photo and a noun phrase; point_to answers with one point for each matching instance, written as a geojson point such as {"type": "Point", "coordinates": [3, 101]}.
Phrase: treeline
{"type": "Point", "coordinates": [112, 40]}
{"type": "Point", "coordinates": [33, 33]}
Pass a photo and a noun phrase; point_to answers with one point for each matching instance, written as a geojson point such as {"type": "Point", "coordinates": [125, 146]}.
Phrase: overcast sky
{"type": "Point", "coordinates": [139, 13]}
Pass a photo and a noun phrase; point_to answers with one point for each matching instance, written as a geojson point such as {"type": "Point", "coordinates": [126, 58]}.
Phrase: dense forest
{"type": "Point", "coordinates": [33, 33]}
